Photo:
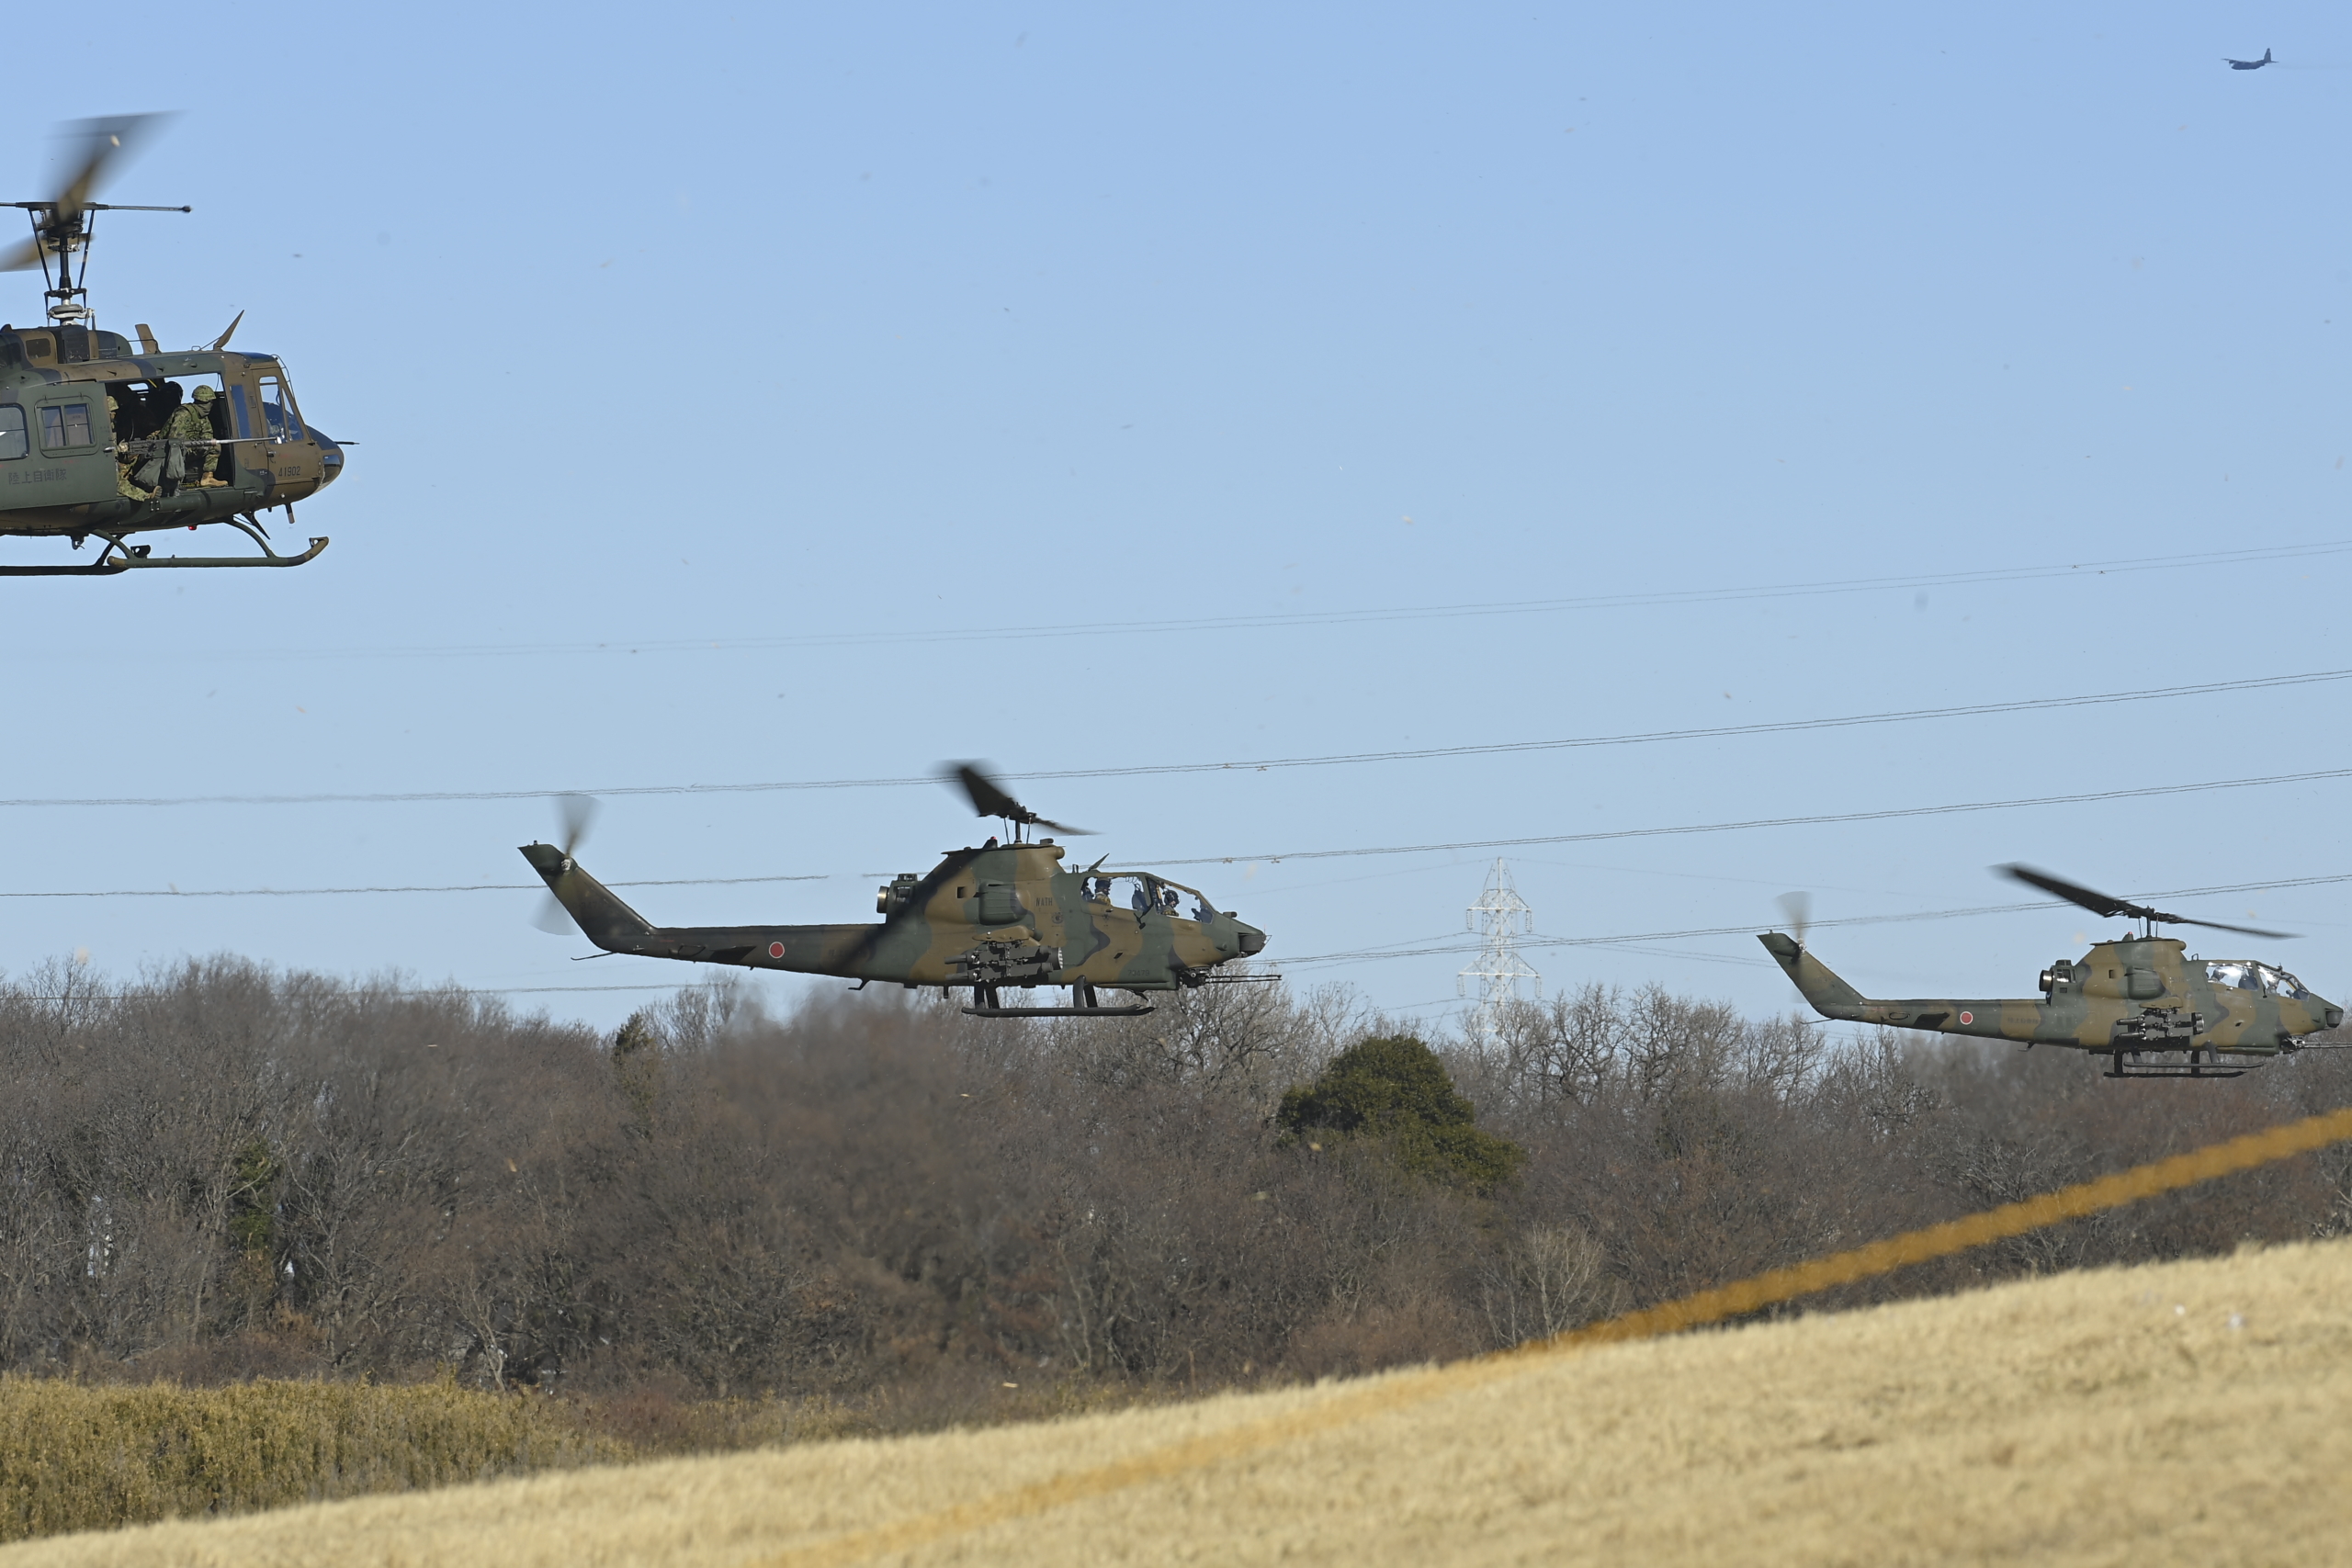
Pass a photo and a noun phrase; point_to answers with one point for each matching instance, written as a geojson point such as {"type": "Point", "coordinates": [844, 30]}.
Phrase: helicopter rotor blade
{"type": "Point", "coordinates": [989, 798]}
{"type": "Point", "coordinates": [577, 813]}
{"type": "Point", "coordinates": [103, 140]}
{"type": "Point", "coordinates": [2107, 904]}
{"type": "Point", "coordinates": [1798, 908]}
{"type": "Point", "coordinates": [2096, 902]}
{"type": "Point", "coordinates": [2242, 930]}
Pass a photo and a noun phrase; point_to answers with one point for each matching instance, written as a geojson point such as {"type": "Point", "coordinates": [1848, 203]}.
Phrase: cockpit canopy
{"type": "Point", "coordinates": [1143, 891]}
{"type": "Point", "coordinates": [2244, 974]}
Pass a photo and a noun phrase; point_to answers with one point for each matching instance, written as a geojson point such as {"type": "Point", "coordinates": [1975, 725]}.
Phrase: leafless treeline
{"type": "Point", "coordinates": [223, 1170]}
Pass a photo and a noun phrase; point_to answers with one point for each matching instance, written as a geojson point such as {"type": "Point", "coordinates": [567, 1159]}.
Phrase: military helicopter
{"type": "Point", "coordinates": [2139, 994]}
{"type": "Point", "coordinates": [87, 445]}
{"type": "Point", "coordinates": [983, 919]}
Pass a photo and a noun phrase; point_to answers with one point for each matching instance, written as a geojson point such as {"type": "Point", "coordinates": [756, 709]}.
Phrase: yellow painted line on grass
{"type": "Point", "coordinates": [1399, 1391]}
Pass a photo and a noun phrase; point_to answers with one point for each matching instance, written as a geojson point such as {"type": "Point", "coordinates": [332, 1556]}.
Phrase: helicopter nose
{"type": "Point", "coordinates": [1253, 940]}
{"type": "Point", "coordinates": [329, 457]}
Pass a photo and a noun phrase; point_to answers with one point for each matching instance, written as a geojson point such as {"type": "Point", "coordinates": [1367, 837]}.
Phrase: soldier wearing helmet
{"type": "Point", "coordinates": [191, 423]}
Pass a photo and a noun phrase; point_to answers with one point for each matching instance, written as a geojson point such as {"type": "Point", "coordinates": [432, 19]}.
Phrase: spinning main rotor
{"type": "Point", "coordinates": [990, 799]}
{"type": "Point", "coordinates": [62, 224]}
{"type": "Point", "coordinates": [2099, 903]}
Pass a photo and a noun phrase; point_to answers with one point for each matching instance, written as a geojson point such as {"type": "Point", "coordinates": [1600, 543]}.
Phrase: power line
{"type": "Point", "coordinates": [168, 892]}
{"type": "Point", "coordinates": [1825, 818]}
{"type": "Point", "coordinates": [1282, 620]}
{"type": "Point", "coordinates": [1818, 821]}
{"type": "Point", "coordinates": [6, 995]}
{"type": "Point", "coordinates": [1448, 948]}
{"type": "Point", "coordinates": [1269, 764]}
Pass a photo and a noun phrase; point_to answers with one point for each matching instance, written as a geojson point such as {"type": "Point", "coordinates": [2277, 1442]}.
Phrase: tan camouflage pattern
{"type": "Point", "coordinates": [999, 915]}
{"type": "Point", "coordinates": [2135, 994]}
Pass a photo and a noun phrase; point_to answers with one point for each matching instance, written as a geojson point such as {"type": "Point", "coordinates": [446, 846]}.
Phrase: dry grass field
{"type": "Point", "coordinates": [73, 1456]}
{"type": "Point", "coordinates": [2192, 1413]}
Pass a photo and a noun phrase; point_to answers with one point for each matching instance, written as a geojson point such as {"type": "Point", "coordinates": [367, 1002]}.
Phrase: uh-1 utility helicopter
{"type": "Point", "coordinates": [985, 920]}
{"type": "Point", "coordinates": [2138, 995]}
{"type": "Point", "coordinates": [89, 446]}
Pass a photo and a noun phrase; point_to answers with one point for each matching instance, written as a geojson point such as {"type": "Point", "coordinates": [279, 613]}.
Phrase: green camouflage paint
{"type": "Point", "coordinates": [1002, 915]}
{"type": "Point", "coordinates": [2135, 994]}
{"type": "Point", "coordinates": [68, 479]}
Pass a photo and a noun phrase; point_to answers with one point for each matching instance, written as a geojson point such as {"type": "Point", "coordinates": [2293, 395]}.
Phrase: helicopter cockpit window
{"type": "Point", "coordinates": [2261, 978]}
{"type": "Point", "coordinates": [15, 440]}
{"type": "Point", "coordinates": [1144, 893]}
{"type": "Point", "coordinates": [278, 410]}
{"type": "Point", "coordinates": [2234, 975]}
{"type": "Point", "coordinates": [2278, 983]}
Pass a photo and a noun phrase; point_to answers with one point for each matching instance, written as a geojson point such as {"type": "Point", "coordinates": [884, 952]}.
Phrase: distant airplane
{"type": "Point", "coordinates": [2249, 64]}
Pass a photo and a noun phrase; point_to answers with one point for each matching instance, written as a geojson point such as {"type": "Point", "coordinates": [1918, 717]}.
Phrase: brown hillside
{"type": "Point", "coordinates": [2178, 1414]}
{"type": "Point", "coordinates": [2185, 1413]}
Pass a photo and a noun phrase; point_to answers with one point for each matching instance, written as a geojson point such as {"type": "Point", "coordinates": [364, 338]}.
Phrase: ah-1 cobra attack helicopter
{"type": "Point", "coordinates": [2137, 994]}
{"type": "Point", "coordinates": [983, 919]}
{"type": "Point", "coordinates": [89, 446]}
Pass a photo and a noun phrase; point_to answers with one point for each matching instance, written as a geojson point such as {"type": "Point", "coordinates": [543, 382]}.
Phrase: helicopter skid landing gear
{"type": "Point", "coordinates": [118, 557]}
{"type": "Point", "coordinates": [2201, 1064]}
{"type": "Point", "coordinates": [1082, 1004]}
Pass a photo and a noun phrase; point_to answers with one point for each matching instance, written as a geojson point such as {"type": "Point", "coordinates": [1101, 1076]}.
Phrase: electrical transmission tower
{"type": "Point", "coordinates": [1499, 915]}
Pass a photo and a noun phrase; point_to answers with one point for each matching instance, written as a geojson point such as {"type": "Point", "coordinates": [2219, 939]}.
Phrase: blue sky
{"type": "Point", "coordinates": [667, 337]}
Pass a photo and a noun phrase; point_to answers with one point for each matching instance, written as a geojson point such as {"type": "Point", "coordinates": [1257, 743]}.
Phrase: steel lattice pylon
{"type": "Point", "coordinates": [1499, 915]}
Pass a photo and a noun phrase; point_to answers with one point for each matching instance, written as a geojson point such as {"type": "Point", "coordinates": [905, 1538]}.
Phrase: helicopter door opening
{"type": "Point", "coordinates": [16, 439]}
{"type": "Point", "coordinates": [144, 414]}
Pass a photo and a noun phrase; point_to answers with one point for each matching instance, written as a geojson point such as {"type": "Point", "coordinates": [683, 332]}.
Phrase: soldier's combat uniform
{"type": "Point", "coordinates": [124, 461]}
{"type": "Point", "coordinates": [192, 423]}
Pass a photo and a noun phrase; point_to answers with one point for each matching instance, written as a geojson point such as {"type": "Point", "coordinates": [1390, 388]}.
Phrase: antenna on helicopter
{"type": "Point", "coordinates": [62, 225]}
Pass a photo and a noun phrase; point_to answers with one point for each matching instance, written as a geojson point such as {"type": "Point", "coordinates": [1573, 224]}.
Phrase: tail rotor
{"type": "Point", "coordinates": [575, 814]}
{"type": "Point", "coordinates": [1797, 909]}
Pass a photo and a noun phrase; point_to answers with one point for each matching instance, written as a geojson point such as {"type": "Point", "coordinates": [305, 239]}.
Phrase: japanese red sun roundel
{"type": "Point", "coordinates": [1966, 1017]}
{"type": "Point", "coordinates": [775, 950]}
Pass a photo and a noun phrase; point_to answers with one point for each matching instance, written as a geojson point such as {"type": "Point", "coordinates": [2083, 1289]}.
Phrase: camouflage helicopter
{"type": "Point", "coordinates": [983, 919]}
{"type": "Point", "coordinates": [2139, 994]}
{"type": "Point", "coordinates": [89, 443]}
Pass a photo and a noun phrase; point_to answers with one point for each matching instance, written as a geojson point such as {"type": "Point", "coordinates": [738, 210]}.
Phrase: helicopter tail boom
{"type": "Point", "coordinates": [602, 918]}
{"type": "Point", "coordinates": [612, 925]}
{"type": "Point", "coordinates": [1992, 1020]}
{"type": "Point", "coordinates": [1830, 997]}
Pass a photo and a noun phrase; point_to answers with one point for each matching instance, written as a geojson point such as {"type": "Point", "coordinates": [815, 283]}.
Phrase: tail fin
{"type": "Point", "coordinates": [1830, 996]}
{"type": "Point", "coordinates": [607, 921]}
